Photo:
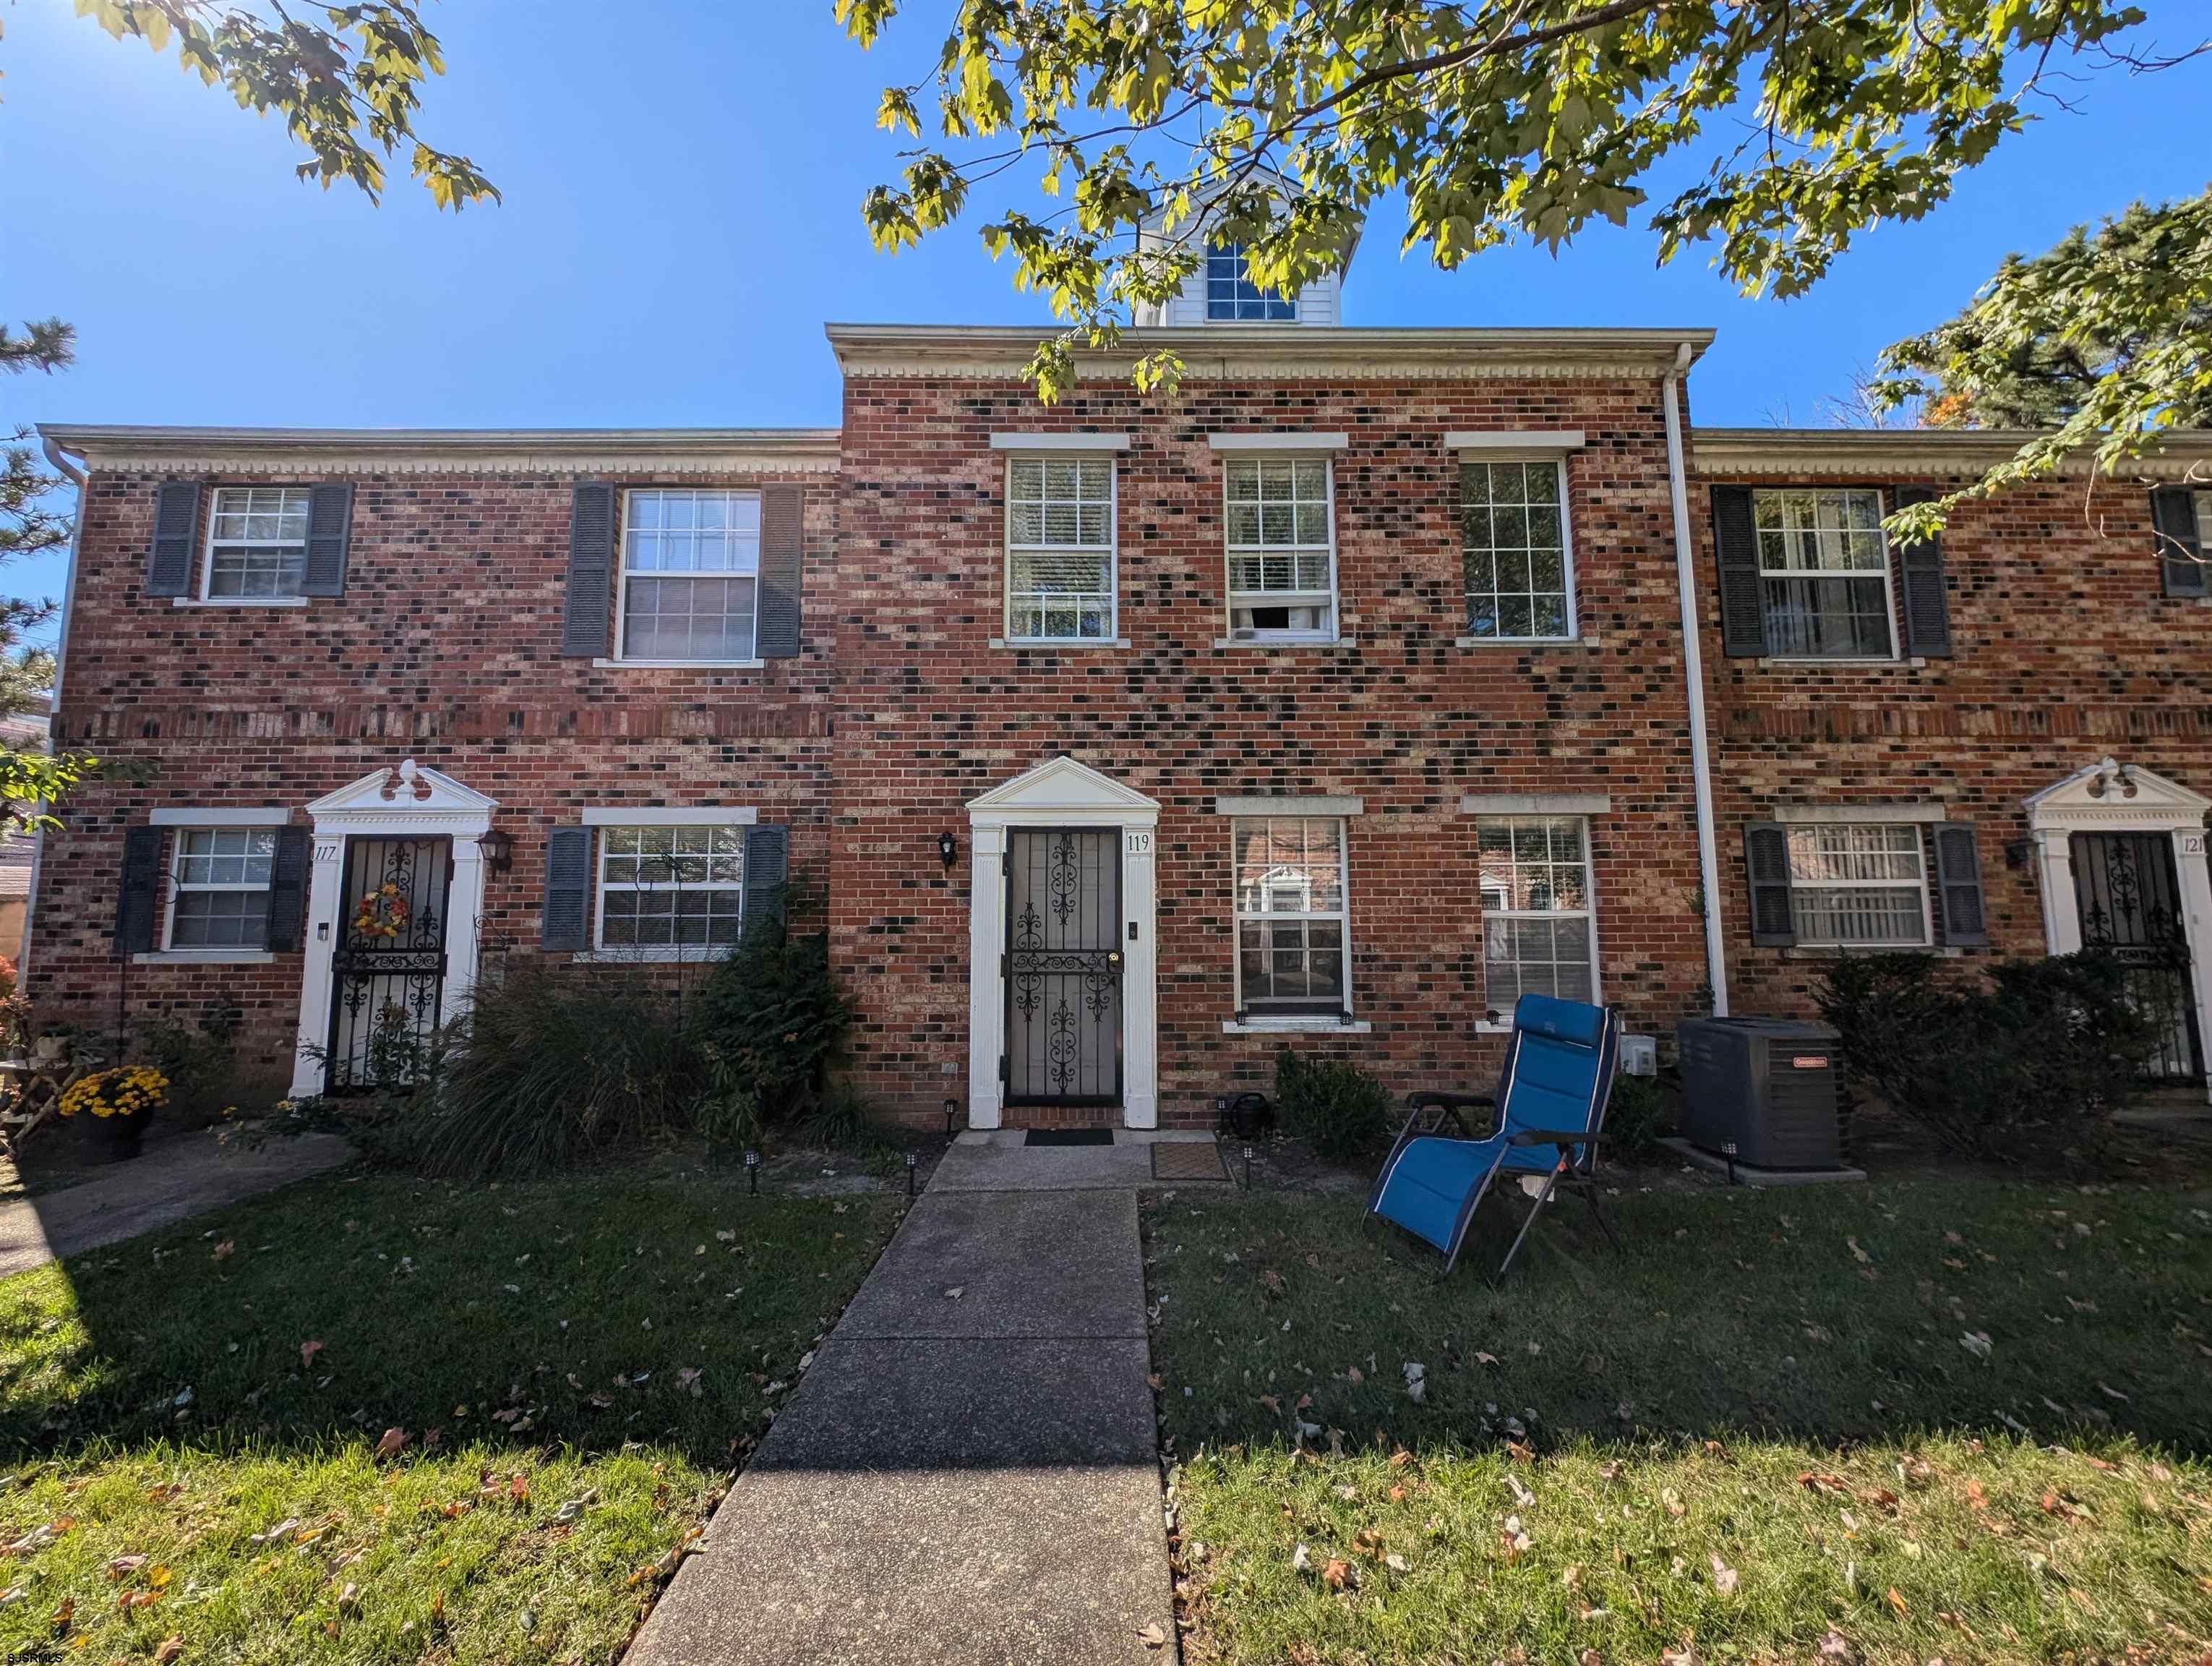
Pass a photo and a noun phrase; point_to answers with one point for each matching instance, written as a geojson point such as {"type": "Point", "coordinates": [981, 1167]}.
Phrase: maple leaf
{"type": "Point", "coordinates": [1337, 1573]}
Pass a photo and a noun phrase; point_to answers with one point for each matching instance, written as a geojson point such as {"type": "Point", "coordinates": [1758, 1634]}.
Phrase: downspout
{"type": "Point", "coordinates": [77, 476]}
{"type": "Point", "coordinates": [1693, 671]}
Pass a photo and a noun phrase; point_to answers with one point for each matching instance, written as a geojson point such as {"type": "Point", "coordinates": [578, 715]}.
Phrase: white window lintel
{"type": "Point", "coordinates": [1319, 805]}
{"type": "Point", "coordinates": [1859, 815]}
{"type": "Point", "coordinates": [1536, 804]}
{"type": "Point", "coordinates": [708, 815]}
{"type": "Point", "coordinates": [1293, 442]}
{"type": "Point", "coordinates": [272, 815]}
{"type": "Point", "coordinates": [1536, 441]}
{"type": "Point", "coordinates": [1059, 442]}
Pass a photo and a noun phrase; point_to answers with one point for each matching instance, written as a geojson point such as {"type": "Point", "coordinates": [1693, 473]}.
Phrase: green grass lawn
{"type": "Point", "coordinates": [192, 1421]}
{"type": "Point", "coordinates": [1948, 1419]}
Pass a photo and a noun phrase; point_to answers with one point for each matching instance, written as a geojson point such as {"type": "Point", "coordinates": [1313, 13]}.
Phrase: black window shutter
{"type": "Point", "coordinates": [134, 898]}
{"type": "Point", "coordinates": [767, 864]}
{"type": "Point", "coordinates": [288, 888]}
{"type": "Point", "coordinates": [783, 543]}
{"type": "Point", "coordinates": [1927, 596]}
{"type": "Point", "coordinates": [1735, 543]}
{"type": "Point", "coordinates": [565, 924]}
{"type": "Point", "coordinates": [2180, 551]}
{"type": "Point", "coordinates": [176, 534]}
{"type": "Point", "coordinates": [1767, 862]}
{"type": "Point", "coordinates": [584, 626]}
{"type": "Point", "coordinates": [1959, 879]}
{"type": "Point", "coordinates": [330, 529]}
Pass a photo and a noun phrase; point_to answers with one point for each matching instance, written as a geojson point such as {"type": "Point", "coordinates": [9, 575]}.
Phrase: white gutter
{"type": "Point", "coordinates": [77, 476]}
{"type": "Point", "coordinates": [1693, 672]}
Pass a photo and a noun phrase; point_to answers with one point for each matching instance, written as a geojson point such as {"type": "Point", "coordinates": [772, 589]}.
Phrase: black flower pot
{"type": "Point", "coordinates": [117, 1138]}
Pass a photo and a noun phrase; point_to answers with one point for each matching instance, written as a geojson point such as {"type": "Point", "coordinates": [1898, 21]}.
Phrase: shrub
{"type": "Point", "coordinates": [1639, 1112]}
{"type": "Point", "coordinates": [198, 1058]}
{"type": "Point", "coordinates": [843, 1122]}
{"type": "Point", "coordinates": [551, 1065]}
{"type": "Point", "coordinates": [2024, 1066]}
{"type": "Point", "coordinates": [1332, 1104]}
{"type": "Point", "coordinates": [772, 1016]}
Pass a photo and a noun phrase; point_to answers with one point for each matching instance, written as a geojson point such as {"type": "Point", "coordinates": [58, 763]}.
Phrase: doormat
{"type": "Point", "coordinates": [1070, 1137]}
{"type": "Point", "coordinates": [1188, 1159]}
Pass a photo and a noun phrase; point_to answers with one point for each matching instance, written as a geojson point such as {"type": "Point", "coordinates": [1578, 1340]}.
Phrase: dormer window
{"type": "Point", "coordinates": [1231, 296]}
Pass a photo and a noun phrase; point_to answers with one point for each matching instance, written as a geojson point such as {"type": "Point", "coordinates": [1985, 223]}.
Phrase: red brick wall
{"type": "Point", "coordinates": [2065, 652]}
{"type": "Point", "coordinates": [446, 648]}
{"type": "Point", "coordinates": [932, 716]}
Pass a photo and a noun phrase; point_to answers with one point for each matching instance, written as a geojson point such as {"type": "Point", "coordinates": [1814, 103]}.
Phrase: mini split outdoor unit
{"type": "Point", "coordinates": [1762, 1091]}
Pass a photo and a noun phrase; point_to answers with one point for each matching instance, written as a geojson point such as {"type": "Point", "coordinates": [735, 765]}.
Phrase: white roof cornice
{"type": "Point", "coordinates": [1271, 352]}
{"type": "Point", "coordinates": [451, 451]}
{"type": "Point", "coordinates": [1883, 453]}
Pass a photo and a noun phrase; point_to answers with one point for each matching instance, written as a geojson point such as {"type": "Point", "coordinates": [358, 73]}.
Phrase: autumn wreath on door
{"type": "Point", "coordinates": [382, 913]}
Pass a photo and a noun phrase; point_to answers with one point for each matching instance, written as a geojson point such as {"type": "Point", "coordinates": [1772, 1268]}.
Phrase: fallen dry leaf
{"type": "Point", "coordinates": [1724, 1577]}
{"type": "Point", "coordinates": [309, 1350]}
{"type": "Point", "coordinates": [171, 1646]}
{"type": "Point", "coordinates": [1337, 1573]}
{"type": "Point", "coordinates": [1153, 1637]}
{"type": "Point", "coordinates": [394, 1442]}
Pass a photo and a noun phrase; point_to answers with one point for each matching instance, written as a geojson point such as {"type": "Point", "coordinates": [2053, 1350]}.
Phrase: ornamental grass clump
{"type": "Point", "coordinates": [131, 1090]}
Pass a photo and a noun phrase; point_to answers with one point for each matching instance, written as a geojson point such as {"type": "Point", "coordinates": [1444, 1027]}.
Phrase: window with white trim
{"type": "Point", "coordinates": [670, 890]}
{"type": "Point", "coordinates": [257, 544]}
{"type": "Point", "coordinates": [1059, 548]}
{"type": "Point", "coordinates": [1860, 886]}
{"type": "Point", "coordinates": [1282, 547]}
{"type": "Point", "coordinates": [1823, 575]}
{"type": "Point", "coordinates": [690, 574]}
{"type": "Point", "coordinates": [1231, 296]}
{"type": "Point", "coordinates": [1293, 932]}
{"type": "Point", "coordinates": [219, 887]}
{"type": "Point", "coordinates": [1513, 537]}
{"type": "Point", "coordinates": [1539, 931]}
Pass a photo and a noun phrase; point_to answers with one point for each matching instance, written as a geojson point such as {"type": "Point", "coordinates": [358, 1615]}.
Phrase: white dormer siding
{"type": "Point", "coordinates": [1320, 303]}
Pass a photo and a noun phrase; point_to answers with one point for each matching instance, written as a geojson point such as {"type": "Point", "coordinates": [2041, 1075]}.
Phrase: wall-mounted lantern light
{"type": "Point", "coordinates": [498, 851]}
{"type": "Point", "coordinates": [948, 849]}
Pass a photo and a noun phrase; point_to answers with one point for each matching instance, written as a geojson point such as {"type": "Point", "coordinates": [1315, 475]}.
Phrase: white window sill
{"type": "Point", "coordinates": [651, 957]}
{"type": "Point", "coordinates": [1294, 1025]}
{"type": "Point", "coordinates": [678, 665]}
{"type": "Point", "coordinates": [1771, 662]}
{"type": "Point", "coordinates": [238, 601]}
{"type": "Point", "coordinates": [1490, 1027]}
{"type": "Point", "coordinates": [1589, 640]}
{"type": "Point", "coordinates": [204, 957]}
{"type": "Point", "coordinates": [1847, 950]}
{"type": "Point", "coordinates": [1057, 644]}
{"type": "Point", "coordinates": [1271, 644]}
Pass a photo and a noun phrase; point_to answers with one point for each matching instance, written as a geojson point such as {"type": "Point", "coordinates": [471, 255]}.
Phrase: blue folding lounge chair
{"type": "Point", "coordinates": [1550, 1105]}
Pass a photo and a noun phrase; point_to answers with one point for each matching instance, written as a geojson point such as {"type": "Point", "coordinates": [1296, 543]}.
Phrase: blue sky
{"type": "Point", "coordinates": [682, 216]}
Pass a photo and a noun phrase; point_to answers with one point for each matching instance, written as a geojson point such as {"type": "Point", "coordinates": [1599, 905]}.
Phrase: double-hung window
{"type": "Point", "coordinates": [1231, 296]}
{"type": "Point", "coordinates": [1859, 886]}
{"type": "Point", "coordinates": [1059, 548]}
{"type": "Point", "coordinates": [219, 887]}
{"type": "Point", "coordinates": [1282, 547]}
{"type": "Point", "coordinates": [1294, 936]}
{"type": "Point", "coordinates": [1538, 933]}
{"type": "Point", "coordinates": [690, 574]}
{"type": "Point", "coordinates": [1823, 575]}
{"type": "Point", "coordinates": [1513, 535]}
{"type": "Point", "coordinates": [669, 892]}
{"type": "Point", "coordinates": [257, 544]}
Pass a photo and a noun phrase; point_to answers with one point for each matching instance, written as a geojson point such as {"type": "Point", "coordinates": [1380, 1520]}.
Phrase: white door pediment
{"type": "Point", "coordinates": [402, 794]}
{"type": "Point", "coordinates": [1061, 788]}
{"type": "Point", "coordinates": [2109, 794]}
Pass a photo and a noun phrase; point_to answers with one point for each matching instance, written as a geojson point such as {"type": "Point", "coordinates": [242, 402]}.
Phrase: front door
{"type": "Point", "coordinates": [1063, 966]}
{"type": "Point", "coordinates": [2129, 901]}
{"type": "Point", "coordinates": [388, 975]}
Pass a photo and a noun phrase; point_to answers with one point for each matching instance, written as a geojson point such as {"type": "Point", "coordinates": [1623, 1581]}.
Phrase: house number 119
{"type": "Point", "coordinates": [1140, 844]}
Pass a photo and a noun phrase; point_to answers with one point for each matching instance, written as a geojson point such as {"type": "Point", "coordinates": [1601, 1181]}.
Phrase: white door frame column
{"type": "Point", "coordinates": [1062, 793]}
{"type": "Point", "coordinates": [2111, 797]}
{"type": "Point", "coordinates": [406, 802]}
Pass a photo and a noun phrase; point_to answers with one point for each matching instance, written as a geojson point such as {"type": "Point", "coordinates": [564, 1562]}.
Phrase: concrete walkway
{"type": "Point", "coordinates": [174, 1180]}
{"type": "Point", "coordinates": [967, 1473]}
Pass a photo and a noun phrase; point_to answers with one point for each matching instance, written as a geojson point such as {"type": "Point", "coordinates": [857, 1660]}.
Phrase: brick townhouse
{"type": "Point", "coordinates": [1371, 678]}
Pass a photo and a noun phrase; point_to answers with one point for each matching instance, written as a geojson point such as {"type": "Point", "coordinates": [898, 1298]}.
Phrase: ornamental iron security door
{"type": "Point", "coordinates": [388, 975]}
{"type": "Point", "coordinates": [1063, 967]}
{"type": "Point", "coordinates": [2129, 894]}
